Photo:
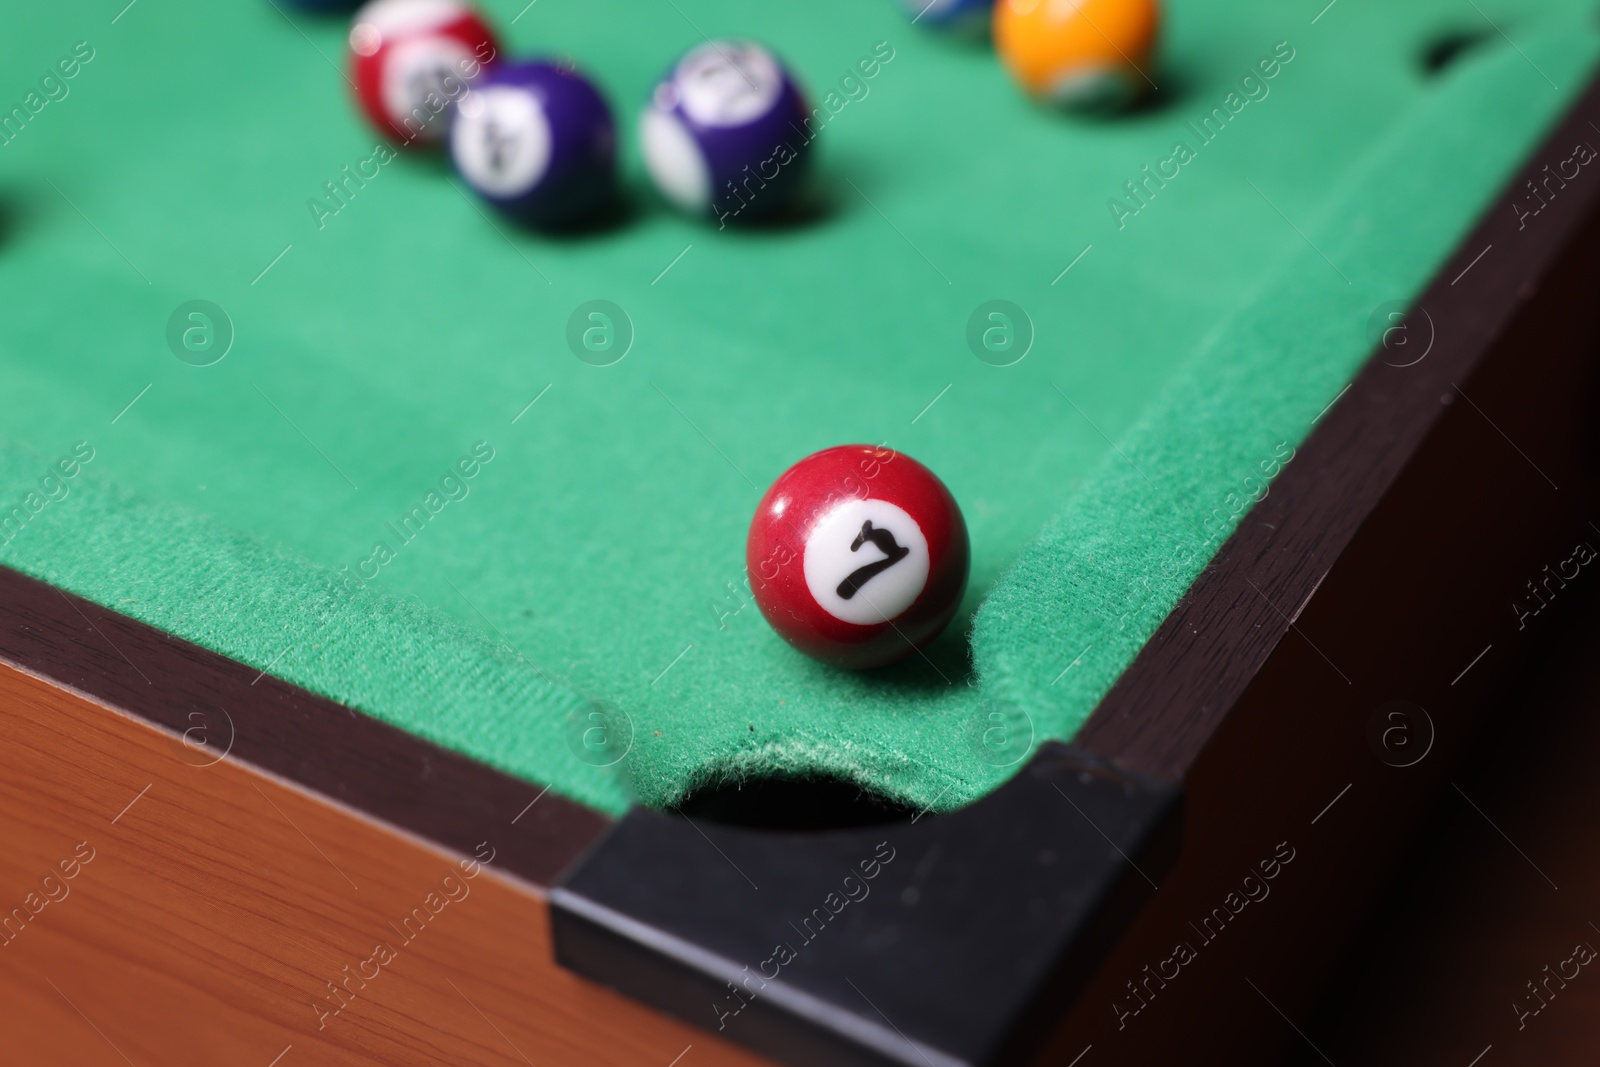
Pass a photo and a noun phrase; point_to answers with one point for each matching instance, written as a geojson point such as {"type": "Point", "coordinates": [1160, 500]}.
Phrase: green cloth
{"type": "Point", "coordinates": [594, 565]}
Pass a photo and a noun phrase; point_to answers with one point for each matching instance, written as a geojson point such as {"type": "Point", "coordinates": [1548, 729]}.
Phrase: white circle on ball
{"type": "Point", "coordinates": [501, 140]}
{"type": "Point", "coordinates": [866, 562]}
{"type": "Point", "coordinates": [675, 161]}
{"type": "Point", "coordinates": [419, 68]}
{"type": "Point", "coordinates": [728, 83]}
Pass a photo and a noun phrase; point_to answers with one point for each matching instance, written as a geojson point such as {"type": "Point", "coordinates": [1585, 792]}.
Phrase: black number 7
{"type": "Point", "coordinates": [884, 541]}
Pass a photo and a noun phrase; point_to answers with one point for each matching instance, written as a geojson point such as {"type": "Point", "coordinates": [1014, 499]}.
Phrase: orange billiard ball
{"type": "Point", "coordinates": [1080, 54]}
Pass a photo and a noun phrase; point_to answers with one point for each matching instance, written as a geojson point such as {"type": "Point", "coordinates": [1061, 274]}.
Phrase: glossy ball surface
{"type": "Point", "coordinates": [858, 555]}
{"type": "Point", "coordinates": [1091, 55]}
{"type": "Point", "coordinates": [538, 141]}
{"type": "Point", "coordinates": [412, 60]}
{"type": "Point", "coordinates": [725, 134]}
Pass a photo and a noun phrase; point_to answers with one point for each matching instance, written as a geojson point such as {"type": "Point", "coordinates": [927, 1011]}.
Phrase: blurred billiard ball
{"type": "Point", "coordinates": [725, 134]}
{"type": "Point", "coordinates": [1091, 55]}
{"type": "Point", "coordinates": [412, 60]}
{"type": "Point", "coordinates": [536, 140]}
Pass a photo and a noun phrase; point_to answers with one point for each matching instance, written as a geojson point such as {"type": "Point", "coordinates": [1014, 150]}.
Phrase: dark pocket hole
{"type": "Point", "coordinates": [1447, 48]}
{"type": "Point", "coordinates": [787, 803]}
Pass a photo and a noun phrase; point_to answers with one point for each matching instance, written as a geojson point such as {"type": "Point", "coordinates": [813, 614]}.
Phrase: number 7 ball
{"type": "Point", "coordinates": [858, 556]}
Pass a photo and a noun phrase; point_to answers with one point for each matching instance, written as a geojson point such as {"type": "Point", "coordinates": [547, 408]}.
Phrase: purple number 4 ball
{"type": "Point", "coordinates": [537, 140]}
{"type": "Point", "coordinates": [725, 133]}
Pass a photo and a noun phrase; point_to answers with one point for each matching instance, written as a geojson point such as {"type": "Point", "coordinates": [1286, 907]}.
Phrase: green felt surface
{"type": "Point", "coordinates": [594, 565]}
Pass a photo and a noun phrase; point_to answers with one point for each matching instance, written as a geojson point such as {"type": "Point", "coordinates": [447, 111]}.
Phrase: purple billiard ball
{"type": "Point", "coordinates": [536, 140]}
{"type": "Point", "coordinates": [726, 135]}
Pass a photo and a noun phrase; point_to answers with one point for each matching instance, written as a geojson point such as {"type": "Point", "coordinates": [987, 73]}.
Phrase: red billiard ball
{"type": "Point", "coordinates": [412, 60]}
{"type": "Point", "coordinates": [858, 555]}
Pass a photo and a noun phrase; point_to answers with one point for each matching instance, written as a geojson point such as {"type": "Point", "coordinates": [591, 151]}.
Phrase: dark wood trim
{"type": "Point", "coordinates": [225, 709]}
{"type": "Point", "coordinates": [1181, 687]}
{"type": "Point", "coordinates": [1416, 614]}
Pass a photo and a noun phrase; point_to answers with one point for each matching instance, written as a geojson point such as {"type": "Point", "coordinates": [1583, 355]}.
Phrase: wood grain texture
{"type": "Point", "coordinates": [216, 904]}
{"type": "Point", "coordinates": [265, 721]}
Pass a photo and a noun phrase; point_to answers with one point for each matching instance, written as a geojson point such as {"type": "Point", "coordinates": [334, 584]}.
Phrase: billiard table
{"type": "Point", "coordinates": [380, 677]}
